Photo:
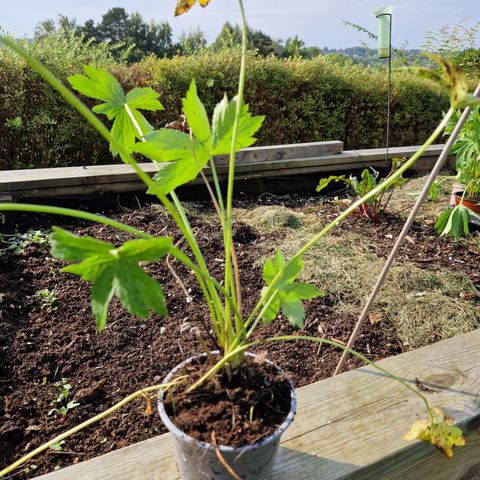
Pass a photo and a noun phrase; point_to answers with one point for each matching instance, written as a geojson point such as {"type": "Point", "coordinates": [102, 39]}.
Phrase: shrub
{"type": "Point", "coordinates": [303, 100]}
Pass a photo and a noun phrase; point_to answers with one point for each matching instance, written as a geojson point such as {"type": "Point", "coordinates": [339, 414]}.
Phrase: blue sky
{"type": "Point", "coordinates": [317, 22]}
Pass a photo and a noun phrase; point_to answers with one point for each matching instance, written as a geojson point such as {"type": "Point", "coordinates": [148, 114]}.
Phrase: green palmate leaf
{"type": "Point", "coordinates": [187, 154]}
{"type": "Point", "coordinates": [102, 85]}
{"type": "Point", "coordinates": [455, 222]}
{"type": "Point", "coordinates": [66, 246]}
{"type": "Point", "coordinates": [114, 271]}
{"type": "Point", "coordinates": [288, 295]}
{"type": "Point", "coordinates": [144, 99]}
{"type": "Point", "coordinates": [222, 127]}
{"type": "Point", "coordinates": [196, 116]}
{"type": "Point", "coordinates": [168, 145]}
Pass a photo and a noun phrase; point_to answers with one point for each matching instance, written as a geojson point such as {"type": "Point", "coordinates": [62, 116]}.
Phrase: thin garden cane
{"type": "Point", "coordinates": [401, 237]}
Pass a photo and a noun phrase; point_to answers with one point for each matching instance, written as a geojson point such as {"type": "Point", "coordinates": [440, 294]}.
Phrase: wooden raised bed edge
{"type": "Point", "coordinates": [349, 427]}
{"type": "Point", "coordinates": [321, 158]}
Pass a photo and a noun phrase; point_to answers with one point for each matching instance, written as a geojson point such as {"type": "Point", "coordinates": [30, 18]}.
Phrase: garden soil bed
{"type": "Point", "coordinates": [40, 346]}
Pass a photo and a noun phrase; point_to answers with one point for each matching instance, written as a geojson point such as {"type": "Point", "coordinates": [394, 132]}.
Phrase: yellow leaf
{"type": "Point", "coordinates": [183, 6]}
{"type": "Point", "coordinates": [456, 81]}
{"type": "Point", "coordinates": [440, 432]}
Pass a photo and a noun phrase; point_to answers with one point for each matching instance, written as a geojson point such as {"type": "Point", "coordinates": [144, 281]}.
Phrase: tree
{"type": "Point", "coordinates": [135, 37]}
{"type": "Point", "coordinates": [50, 27]}
{"type": "Point", "coordinates": [293, 47]}
{"type": "Point", "coordinates": [263, 44]}
{"type": "Point", "coordinates": [114, 25]}
{"type": "Point", "coordinates": [192, 42]}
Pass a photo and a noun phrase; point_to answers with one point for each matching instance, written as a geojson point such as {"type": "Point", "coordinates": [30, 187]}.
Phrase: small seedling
{"type": "Point", "coordinates": [57, 447]}
{"type": "Point", "coordinates": [18, 242]}
{"type": "Point", "coordinates": [48, 299]}
{"type": "Point", "coordinates": [61, 404]}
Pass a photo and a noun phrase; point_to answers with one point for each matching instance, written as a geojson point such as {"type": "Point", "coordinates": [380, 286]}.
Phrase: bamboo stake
{"type": "Point", "coordinates": [401, 237]}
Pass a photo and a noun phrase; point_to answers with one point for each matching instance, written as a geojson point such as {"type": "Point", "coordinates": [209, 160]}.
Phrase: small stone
{"type": "Point", "coordinates": [194, 331]}
{"type": "Point", "coordinates": [185, 327]}
{"type": "Point", "coordinates": [163, 330]}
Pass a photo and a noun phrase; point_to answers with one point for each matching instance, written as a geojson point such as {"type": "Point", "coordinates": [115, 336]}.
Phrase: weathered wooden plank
{"type": "Point", "coordinates": [350, 427]}
{"type": "Point", "coordinates": [70, 181]}
{"type": "Point", "coordinates": [284, 152]}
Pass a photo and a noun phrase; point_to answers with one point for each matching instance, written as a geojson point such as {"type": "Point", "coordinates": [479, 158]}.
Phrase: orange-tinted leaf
{"type": "Point", "coordinates": [148, 409]}
{"type": "Point", "coordinates": [375, 317]}
{"type": "Point", "coordinates": [183, 6]}
{"type": "Point", "coordinates": [440, 432]}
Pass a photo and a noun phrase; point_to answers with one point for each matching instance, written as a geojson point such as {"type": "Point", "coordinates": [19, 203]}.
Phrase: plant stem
{"type": "Point", "coordinates": [289, 338]}
{"type": "Point", "coordinates": [69, 212]}
{"type": "Point", "coordinates": [382, 186]}
{"type": "Point", "coordinates": [406, 227]}
{"type": "Point", "coordinates": [87, 423]}
{"type": "Point", "coordinates": [180, 217]}
{"type": "Point", "coordinates": [231, 170]}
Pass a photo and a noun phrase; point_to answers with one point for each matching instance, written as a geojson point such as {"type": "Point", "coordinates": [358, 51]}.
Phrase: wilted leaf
{"type": "Point", "coordinates": [375, 317]}
{"type": "Point", "coordinates": [453, 80]}
{"type": "Point", "coordinates": [440, 432]}
{"type": "Point", "coordinates": [455, 221]}
{"type": "Point", "coordinates": [183, 6]}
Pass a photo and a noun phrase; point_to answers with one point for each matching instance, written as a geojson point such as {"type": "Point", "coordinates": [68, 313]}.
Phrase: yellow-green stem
{"type": "Point", "coordinates": [261, 306]}
{"type": "Point", "coordinates": [209, 292]}
{"type": "Point", "coordinates": [231, 175]}
{"type": "Point", "coordinates": [289, 338]}
{"type": "Point", "coordinates": [87, 423]}
{"type": "Point", "coordinates": [69, 212]}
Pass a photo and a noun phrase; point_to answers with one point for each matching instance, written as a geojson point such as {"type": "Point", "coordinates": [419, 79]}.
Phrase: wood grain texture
{"type": "Point", "coordinates": [350, 427]}
{"type": "Point", "coordinates": [295, 160]}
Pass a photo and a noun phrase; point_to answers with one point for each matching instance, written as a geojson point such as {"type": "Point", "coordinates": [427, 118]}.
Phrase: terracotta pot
{"type": "Point", "coordinates": [198, 460]}
{"type": "Point", "coordinates": [473, 205]}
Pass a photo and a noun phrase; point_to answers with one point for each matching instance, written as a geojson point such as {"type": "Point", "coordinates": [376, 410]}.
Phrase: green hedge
{"type": "Point", "coordinates": [303, 100]}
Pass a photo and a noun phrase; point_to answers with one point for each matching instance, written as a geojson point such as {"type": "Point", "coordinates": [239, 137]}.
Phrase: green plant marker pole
{"type": "Point", "coordinates": [384, 50]}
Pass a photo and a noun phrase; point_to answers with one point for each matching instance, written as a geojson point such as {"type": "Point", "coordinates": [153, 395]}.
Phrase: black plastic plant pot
{"type": "Point", "coordinates": [200, 461]}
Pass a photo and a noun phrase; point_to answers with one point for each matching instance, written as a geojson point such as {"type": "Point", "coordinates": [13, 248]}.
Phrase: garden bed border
{"type": "Point", "coordinates": [349, 427]}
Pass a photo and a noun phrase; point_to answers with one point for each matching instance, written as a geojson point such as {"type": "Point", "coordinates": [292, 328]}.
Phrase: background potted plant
{"type": "Point", "coordinates": [119, 271]}
{"type": "Point", "coordinates": [369, 179]}
{"type": "Point", "coordinates": [456, 221]}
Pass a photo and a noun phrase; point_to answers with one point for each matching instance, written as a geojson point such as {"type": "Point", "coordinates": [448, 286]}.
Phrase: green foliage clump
{"type": "Point", "coordinates": [304, 101]}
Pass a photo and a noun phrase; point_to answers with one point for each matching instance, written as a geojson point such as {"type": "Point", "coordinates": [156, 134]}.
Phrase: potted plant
{"type": "Point", "coordinates": [195, 391]}
{"type": "Point", "coordinates": [467, 150]}
{"type": "Point", "coordinates": [456, 221]}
